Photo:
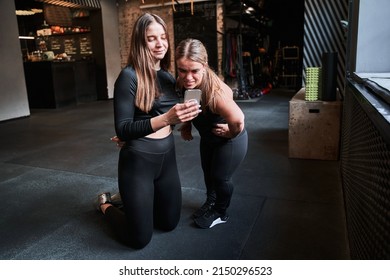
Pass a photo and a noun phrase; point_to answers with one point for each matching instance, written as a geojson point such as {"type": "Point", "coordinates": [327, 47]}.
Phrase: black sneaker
{"type": "Point", "coordinates": [203, 209]}
{"type": "Point", "coordinates": [211, 218]}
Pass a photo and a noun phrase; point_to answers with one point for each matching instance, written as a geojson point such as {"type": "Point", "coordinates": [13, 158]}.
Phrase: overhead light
{"type": "Point", "coordinates": [27, 37]}
{"type": "Point", "coordinates": [28, 12]}
{"type": "Point", "coordinates": [249, 11]}
{"type": "Point", "coordinates": [24, 12]}
{"type": "Point", "coordinates": [37, 11]}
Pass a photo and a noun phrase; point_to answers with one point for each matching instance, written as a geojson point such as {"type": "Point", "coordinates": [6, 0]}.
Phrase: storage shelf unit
{"type": "Point", "coordinates": [290, 67]}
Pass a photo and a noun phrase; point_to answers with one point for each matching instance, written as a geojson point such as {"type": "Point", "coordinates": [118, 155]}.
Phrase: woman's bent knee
{"type": "Point", "coordinates": [139, 243]}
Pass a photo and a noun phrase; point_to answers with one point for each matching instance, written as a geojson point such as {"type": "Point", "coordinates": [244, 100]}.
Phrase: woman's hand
{"type": "Point", "coordinates": [222, 130]}
{"type": "Point", "coordinates": [180, 113]}
{"type": "Point", "coordinates": [185, 131]}
{"type": "Point", "coordinates": [183, 112]}
{"type": "Point", "coordinates": [119, 142]}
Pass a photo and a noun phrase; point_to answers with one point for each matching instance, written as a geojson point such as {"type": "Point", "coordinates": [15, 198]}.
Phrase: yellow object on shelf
{"type": "Point", "coordinates": [312, 85]}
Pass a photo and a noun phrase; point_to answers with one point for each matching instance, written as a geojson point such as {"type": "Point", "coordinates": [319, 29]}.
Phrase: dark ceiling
{"type": "Point", "coordinates": [251, 13]}
{"type": "Point", "coordinates": [27, 4]}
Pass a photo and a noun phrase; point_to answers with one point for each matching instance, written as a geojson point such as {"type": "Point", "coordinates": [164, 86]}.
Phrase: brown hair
{"type": "Point", "coordinates": [141, 59]}
{"type": "Point", "coordinates": [194, 50]}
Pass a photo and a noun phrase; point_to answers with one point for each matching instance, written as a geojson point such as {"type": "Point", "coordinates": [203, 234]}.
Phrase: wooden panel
{"type": "Point", "coordinates": [314, 128]}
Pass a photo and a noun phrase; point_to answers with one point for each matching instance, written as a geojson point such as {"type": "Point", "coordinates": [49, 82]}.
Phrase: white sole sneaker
{"type": "Point", "coordinates": [219, 221]}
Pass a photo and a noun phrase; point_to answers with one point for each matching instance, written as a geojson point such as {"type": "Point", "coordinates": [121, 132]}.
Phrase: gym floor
{"type": "Point", "coordinates": [55, 162]}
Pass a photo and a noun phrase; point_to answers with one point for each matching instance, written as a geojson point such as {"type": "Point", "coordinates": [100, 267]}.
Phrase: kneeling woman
{"type": "Point", "coordinates": [145, 109]}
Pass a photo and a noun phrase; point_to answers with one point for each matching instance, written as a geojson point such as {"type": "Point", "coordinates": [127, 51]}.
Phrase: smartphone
{"type": "Point", "coordinates": [193, 94]}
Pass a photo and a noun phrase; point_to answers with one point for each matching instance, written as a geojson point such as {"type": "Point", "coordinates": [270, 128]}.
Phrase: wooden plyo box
{"type": "Point", "coordinates": [314, 128]}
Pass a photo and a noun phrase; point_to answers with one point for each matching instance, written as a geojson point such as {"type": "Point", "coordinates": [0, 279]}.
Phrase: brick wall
{"type": "Point", "coordinates": [129, 11]}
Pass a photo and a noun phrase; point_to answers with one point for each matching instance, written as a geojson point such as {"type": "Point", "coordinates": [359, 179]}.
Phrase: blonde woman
{"type": "Point", "coordinates": [221, 125]}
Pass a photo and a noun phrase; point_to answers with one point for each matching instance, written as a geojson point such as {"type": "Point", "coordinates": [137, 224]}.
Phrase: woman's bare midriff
{"type": "Point", "coordinates": [161, 133]}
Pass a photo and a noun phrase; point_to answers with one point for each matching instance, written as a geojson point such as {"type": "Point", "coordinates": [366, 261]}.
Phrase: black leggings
{"type": "Point", "coordinates": [219, 162]}
{"type": "Point", "coordinates": [150, 188]}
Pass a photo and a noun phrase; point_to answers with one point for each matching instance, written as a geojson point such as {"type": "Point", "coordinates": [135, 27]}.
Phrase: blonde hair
{"type": "Point", "coordinates": [210, 85]}
{"type": "Point", "coordinates": [141, 59]}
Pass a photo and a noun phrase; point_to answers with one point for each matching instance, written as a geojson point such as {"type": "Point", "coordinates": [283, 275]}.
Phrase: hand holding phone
{"type": "Point", "coordinates": [193, 94]}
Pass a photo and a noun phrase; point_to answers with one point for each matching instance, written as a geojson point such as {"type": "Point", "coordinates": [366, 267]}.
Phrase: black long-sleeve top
{"type": "Point", "coordinates": [130, 121]}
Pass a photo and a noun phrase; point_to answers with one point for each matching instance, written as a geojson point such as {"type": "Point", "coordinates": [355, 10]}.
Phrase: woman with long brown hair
{"type": "Point", "coordinates": [145, 109]}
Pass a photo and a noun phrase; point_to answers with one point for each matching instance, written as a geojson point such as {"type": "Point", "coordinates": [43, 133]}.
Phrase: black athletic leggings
{"type": "Point", "coordinates": [150, 188]}
{"type": "Point", "coordinates": [219, 162]}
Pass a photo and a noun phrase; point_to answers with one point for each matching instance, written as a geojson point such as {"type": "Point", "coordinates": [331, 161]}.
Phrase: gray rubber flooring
{"type": "Point", "coordinates": [55, 162]}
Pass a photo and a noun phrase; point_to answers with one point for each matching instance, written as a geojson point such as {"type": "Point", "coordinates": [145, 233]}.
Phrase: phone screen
{"type": "Point", "coordinates": [192, 94]}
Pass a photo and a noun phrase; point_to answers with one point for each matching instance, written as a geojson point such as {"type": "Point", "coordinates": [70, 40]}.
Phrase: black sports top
{"type": "Point", "coordinates": [130, 121]}
{"type": "Point", "coordinates": [205, 122]}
